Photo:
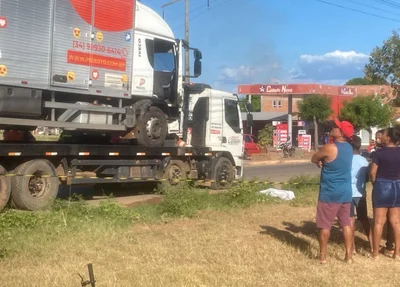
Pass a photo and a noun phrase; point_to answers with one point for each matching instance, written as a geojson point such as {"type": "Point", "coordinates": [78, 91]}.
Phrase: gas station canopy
{"type": "Point", "coordinates": [296, 89]}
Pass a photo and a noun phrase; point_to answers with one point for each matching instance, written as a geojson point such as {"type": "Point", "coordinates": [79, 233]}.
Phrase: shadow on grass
{"type": "Point", "coordinates": [289, 238]}
{"type": "Point", "coordinates": [309, 228]}
{"type": "Point", "coordinates": [289, 235]}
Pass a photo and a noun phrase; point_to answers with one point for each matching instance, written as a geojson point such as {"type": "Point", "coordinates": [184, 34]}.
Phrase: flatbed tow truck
{"type": "Point", "coordinates": [32, 172]}
{"type": "Point", "coordinates": [104, 70]}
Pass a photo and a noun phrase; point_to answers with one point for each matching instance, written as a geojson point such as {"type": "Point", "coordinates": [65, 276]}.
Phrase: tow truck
{"type": "Point", "coordinates": [32, 172]}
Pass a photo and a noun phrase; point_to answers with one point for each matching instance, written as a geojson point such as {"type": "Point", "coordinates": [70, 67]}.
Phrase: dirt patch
{"type": "Point", "coordinates": [152, 201]}
{"type": "Point", "coordinates": [274, 155]}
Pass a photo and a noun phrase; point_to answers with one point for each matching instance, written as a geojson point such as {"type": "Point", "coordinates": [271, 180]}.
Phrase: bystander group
{"type": "Point", "coordinates": [344, 174]}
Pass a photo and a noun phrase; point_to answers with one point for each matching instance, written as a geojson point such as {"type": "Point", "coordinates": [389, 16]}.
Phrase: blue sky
{"type": "Point", "coordinates": [285, 41]}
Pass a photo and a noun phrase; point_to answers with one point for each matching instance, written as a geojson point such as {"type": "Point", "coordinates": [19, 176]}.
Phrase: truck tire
{"type": "Point", "coordinates": [34, 192]}
{"type": "Point", "coordinates": [175, 173]}
{"type": "Point", "coordinates": [222, 174]}
{"type": "Point", "coordinates": [153, 128]}
{"type": "Point", "coordinates": [5, 188]}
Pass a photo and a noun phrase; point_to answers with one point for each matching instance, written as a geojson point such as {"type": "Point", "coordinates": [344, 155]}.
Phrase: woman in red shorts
{"type": "Point", "coordinates": [385, 177]}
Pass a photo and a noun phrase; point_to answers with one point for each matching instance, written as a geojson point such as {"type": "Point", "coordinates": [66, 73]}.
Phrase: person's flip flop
{"type": "Point", "coordinates": [322, 261]}
{"type": "Point", "coordinates": [370, 256]}
{"type": "Point", "coordinates": [389, 253]}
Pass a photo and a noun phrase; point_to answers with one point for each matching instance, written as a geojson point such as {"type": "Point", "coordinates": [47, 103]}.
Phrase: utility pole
{"type": "Point", "coordinates": [251, 128]}
{"type": "Point", "coordinates": [187, 64]}
{"type": "Point", "coordinates": [187, 58]}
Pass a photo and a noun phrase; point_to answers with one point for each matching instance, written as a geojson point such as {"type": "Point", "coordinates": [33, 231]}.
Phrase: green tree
{"type": "Point", "coordinates": [384, 64]}
{"type": "Point", "coordinates": [265, 137]}
{"type": "Point", "coordinates": [365, 112]}
{"type": "Point", "coordinates": [365, 81]}
{"type": "Point", "coordinates": [255, 102]}
{"type": "Point", "coordinates": [316, 108]}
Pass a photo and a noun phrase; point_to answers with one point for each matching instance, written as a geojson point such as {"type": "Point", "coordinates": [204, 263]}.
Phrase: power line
{"type": "Point", "coordinates": [389, 3]}
{"type": "Point", "coordinates": [220, 4]}
{"type": "Point", "coordinates": [358, 11]}
{"type": "Point", "coordinates": [373, 7]}
{"type": "Point", "coordinates": [205, 11]}
{"type": "Point", "coordinates": [194, 9]}
{"type": "Point", "coordinates": [200, 7]}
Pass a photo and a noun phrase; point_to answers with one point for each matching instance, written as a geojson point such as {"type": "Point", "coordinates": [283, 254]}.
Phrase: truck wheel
{"type": "Point", "coordinates": [175, 173]}
{"type": "Point", "coordinates": [153, 128]}
{"type": "Point", "coordinates": [37, 191]}
{"type": "Point", "coordinates": [223, 174]}
{"type": "Point", "coordinates": [5, 188]}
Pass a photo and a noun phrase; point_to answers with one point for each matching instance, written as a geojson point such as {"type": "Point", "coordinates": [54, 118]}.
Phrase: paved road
{"type": "Point", "coordinates": [279, 172]}
{"type": "Point", "coordinates": [144, 193]}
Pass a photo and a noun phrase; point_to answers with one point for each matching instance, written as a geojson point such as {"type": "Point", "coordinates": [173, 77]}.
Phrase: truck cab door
{"type": "Point", "coordinates": [216, 121]}
{"type": "Point", "coordinates": [232, 137]}
{"type": "Point", "coordinates": [143, 59]}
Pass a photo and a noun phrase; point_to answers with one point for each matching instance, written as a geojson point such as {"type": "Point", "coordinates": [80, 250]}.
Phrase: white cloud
{"type": "Point", "coordinates": [238, 73]}
{"type": "Point", "coordinates": [336, 65]}
{"type": "Point", "coordinates": [333, 68]}
{"type": "Point", "coordinates": [231, 77]}
{"type": "Point", "coordinates": [247, 74]}
{"type": "Point", "coordinates": [342, 57]}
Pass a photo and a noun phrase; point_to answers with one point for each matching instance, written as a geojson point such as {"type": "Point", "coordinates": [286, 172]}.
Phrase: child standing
{"type": "Point", "coordinates": [359, 174]}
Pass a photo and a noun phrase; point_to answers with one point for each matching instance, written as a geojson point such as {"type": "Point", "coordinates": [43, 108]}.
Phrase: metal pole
{"type": "Point", "coordinates": [251, 128]}
{"type": "Point", "coordinates": [187, 58]}
{"type": "Point", "coordinates": [187, 65]}
{"type": "Point", "coordinates": [290, 119]}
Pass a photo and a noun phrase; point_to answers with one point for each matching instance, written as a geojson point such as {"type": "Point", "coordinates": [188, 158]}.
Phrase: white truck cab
{"type": "Point", "coordinates": [157, 69]}
{"type": "Point", "coordinates": [215, 122]}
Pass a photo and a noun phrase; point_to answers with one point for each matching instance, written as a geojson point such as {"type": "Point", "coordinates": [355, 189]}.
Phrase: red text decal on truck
{"type": "Point", "coordinates": [86, 59]}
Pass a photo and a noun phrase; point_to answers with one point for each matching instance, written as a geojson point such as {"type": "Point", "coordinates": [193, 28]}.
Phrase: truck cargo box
{"type": "Point", "coordinates": [80, 46]}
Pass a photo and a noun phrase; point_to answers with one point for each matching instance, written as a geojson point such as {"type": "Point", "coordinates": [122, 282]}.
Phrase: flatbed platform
{"type": "Point", "coordinates": [45, 149]}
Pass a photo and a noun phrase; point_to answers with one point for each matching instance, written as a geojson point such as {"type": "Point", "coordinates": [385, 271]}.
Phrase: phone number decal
{"type": "Point", "coordinates": [123, 53]}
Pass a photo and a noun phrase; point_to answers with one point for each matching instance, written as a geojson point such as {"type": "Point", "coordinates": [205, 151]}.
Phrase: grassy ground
{"type": "Point", "coordinates": [238, 238]}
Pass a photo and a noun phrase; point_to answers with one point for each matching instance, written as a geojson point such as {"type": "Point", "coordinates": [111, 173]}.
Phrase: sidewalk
{"type": "Point", "coordinates": [272, 162]}
{"type": "Point", "coordinates": [273, 157]}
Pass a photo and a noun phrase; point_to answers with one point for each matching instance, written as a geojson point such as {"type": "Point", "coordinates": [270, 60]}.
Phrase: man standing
{"type": "Point", "coordinates": [335, 193]}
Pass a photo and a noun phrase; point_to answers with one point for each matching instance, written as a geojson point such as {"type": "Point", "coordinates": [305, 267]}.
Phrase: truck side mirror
{"type": "Point", "coordinates": [249, 120]}
{"type": "Point", "coordinates": [197, 54]}
{"type": "Point", "coordinates": [197, 68]}
{"type": "Point", "coordinates": [249, 107]}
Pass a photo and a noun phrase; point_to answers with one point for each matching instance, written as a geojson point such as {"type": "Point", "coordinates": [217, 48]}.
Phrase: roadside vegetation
{"type": "Point", "coordinates": [20, 230]}
{"type": "Point", "coordinates": [191, 238]}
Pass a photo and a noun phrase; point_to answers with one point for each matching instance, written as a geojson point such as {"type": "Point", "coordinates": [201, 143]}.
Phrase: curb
{"type": "Point", "coordinates": [272, 162]}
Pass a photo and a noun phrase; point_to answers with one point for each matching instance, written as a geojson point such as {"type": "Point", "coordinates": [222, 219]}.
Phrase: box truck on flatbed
{"type": "Point", "coordinates": [31, 173]}
{"type": "Point", "coordinates": [90, 67]}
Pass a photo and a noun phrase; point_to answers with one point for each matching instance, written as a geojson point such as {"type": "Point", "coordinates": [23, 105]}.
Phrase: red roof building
{"type": "Point", "coordinates": [274, 98]}
{"type": "Point", "coordinates": [279, 101]}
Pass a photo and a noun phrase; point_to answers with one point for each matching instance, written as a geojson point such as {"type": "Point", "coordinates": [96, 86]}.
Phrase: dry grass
{"type": "Point", "coordinates": [263, 245]}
